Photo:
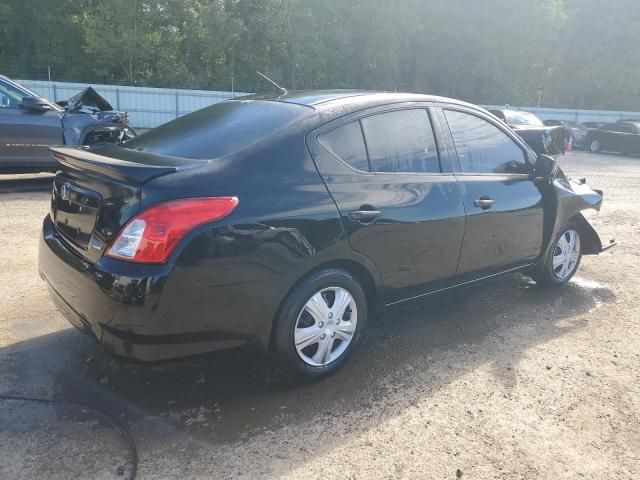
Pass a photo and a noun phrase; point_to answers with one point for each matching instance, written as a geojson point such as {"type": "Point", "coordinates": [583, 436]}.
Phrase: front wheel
{"type": "Point", "coordinates": [563, 259]}
{"type": "Point", "coordinates": [319, 325]}
{"type": "Point", "coordinates": [595, 146]}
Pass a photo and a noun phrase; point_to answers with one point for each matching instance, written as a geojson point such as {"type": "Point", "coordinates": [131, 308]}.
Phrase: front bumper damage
{"type": "Point", "coordinates": [573, 197]}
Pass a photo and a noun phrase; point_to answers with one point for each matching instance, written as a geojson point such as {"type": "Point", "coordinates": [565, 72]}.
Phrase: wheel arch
{"type": "Point", "coordinates": [369, 280]}
{"type": "Point", "coordinates": [589, 238]}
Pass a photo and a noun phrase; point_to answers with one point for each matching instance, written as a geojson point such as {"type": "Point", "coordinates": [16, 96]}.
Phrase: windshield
{"type": "Point", "coordinates": [218, 130]}
{"type": "Point", "coordinates": [523, 118]}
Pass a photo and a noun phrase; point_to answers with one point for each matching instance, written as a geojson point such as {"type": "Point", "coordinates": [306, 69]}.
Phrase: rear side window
{"type": "Point", "coordinates": [347, 143]}
{"type": "Point", "coordinates": [401, 141]}
{"type": "Point", "coordinates": [483, 147]}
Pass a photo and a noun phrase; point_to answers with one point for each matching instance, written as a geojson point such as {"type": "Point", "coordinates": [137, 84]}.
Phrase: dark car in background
{"type": "Point", "coordinates": [620, 137]}
{"type": "Point", "coordinates": [543, 139]}
{"type": "Point", "coordinates": [287, 221]}
{"type": "Point", "coordinates": [30, 124]}
{"type": "Point", "coordinates": [573, 131]}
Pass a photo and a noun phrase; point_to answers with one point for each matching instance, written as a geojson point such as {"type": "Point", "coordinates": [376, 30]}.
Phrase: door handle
{"type": "Point", "coordinates": [364, 216]}
{"type": "Point", "coordinates": [484, 203]}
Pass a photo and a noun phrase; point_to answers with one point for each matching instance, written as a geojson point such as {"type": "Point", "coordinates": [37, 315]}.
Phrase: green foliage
{"type": "Point", "coordinates": [572, 53]}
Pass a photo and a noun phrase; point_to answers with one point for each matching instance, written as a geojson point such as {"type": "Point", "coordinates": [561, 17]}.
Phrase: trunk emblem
{"type": "Point", "coordinates": [95, 244]}
{"type": "Point", "coordinates": [64, 191]}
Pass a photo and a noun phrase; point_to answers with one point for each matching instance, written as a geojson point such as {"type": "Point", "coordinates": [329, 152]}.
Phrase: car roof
{"type": "Point", "coordinates": [347, 101]}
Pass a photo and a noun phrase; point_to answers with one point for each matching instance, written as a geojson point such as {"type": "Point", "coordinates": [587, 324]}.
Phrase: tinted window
{"type": "Point", "coordinates": [401, 141]}
{"type": "Point", "coordinates": [347, 143]}
{"type": "Point", "coordinates": [482, 147]}
{"type": "Point", "coordinates": [218, 130]}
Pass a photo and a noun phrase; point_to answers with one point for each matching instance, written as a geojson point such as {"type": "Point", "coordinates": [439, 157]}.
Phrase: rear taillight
{"type": "Point", "coordinates": [153, 234]}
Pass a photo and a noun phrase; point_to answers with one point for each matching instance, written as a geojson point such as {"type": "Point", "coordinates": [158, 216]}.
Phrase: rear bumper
{"type": "Point", "coordinates": [145, 312]}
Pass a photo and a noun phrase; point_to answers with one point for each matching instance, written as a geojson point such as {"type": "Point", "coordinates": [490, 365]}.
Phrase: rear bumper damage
{"type": "Point", "coordinates": [130, 309]}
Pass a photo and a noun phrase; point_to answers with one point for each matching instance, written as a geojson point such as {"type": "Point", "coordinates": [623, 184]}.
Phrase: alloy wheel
{"type": "Point", "coordinates": [326, 326]}
{"type": "Point", "coordinates": [594, 146]}
{"type": "Point", "coordinates": [566, 254]}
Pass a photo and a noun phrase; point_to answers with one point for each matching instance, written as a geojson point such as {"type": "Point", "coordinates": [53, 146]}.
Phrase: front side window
{"type": "Point", "coordinates": [347, 143]}
{"type": "Point", "coordinates": [401, 141]}
{"type": "Point", "coordinates": [483, 147]}
{"type": "Point", "coordinates": [9, 97]}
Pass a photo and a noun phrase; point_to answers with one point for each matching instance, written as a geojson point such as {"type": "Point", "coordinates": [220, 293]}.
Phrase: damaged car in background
{"type": "Point", "coordinates": [30, 124]}
{"type": "Point", "coordinates": [545, 140]}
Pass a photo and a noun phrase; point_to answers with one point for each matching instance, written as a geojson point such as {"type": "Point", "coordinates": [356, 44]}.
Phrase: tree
{"type": "Point", "coordinates": [578, 53]}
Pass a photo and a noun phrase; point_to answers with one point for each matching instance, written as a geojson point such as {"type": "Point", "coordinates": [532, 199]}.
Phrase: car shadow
{"type": "Point", "coordinates": [229, 396]}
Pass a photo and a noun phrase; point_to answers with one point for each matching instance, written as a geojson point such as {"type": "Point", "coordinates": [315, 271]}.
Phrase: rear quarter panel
{"type": "Point", "coordinates": [285, 225]}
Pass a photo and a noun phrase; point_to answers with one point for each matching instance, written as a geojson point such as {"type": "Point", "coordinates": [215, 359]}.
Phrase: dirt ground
{"type": "Point", "coordinates": [504, 380]}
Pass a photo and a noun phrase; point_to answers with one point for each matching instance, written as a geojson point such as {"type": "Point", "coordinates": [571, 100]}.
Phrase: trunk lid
{"type": "Point", "coordinates": [97, 191]}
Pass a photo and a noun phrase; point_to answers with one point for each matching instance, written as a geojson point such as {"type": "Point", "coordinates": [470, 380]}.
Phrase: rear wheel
{"type": "Point", "coordinates": [319, 325]}
{"type": "Point", "coordinates": [595, 146]}
{"type": "Point", "coordinates": [563, 259]}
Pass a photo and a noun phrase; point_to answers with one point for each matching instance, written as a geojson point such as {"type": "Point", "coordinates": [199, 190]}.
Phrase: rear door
{"type": "Point", "coordinates": [504, 208]}
{"type": "Point", "coordinates": [398, 198]}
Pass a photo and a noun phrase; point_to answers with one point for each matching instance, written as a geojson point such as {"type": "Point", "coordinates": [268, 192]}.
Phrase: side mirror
{"type": "Point", "coordinates": [546, 167]}
{"type": "Point", "coordinates": [35, 104]}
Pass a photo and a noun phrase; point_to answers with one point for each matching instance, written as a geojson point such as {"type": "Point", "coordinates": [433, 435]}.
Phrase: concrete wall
{"type": "Point", "coordinates": [571, 114]}
{"type": "Point", "coordinates": [147, 107]}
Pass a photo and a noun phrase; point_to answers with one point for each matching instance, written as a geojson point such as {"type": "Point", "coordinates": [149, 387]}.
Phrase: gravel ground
{"type": "Point", "coordinates": [504, 380]}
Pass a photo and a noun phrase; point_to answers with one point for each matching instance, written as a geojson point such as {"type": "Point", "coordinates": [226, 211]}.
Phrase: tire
{"type": "Point", "coordinates": [594, 145]}
{"type": "Point", "coordinates": [555, 272]}
{"type": "Point", "coordinates": [324, 327]}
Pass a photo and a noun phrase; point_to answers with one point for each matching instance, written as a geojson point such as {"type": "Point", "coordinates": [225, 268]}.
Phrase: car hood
{"type": "Point", "coordinates": [88, 99]}
{"type": "Point", "coordinates": [87, 111]}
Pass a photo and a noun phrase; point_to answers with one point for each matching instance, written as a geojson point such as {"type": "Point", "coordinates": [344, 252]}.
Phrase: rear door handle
{"type": "Point", "coordinates": [484, 203]}
{"type": "Point", "coordinates": [364, 216]}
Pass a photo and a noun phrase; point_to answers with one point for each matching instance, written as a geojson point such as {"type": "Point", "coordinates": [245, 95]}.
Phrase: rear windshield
{"type": "Point", "coordinates": [218, 130]}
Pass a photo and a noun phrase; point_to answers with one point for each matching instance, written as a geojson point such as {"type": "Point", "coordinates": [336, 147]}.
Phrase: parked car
{"type": "Point", "coordinates": [620, 137]}
{"type": "Point", "coordinates": [572, 130]}
{"type": "Point", "coordinates": [543, 139]}
{"type": "Point", "coordinates": [286, 221]}
{"type": "Point", "coordinates": [30, 124]}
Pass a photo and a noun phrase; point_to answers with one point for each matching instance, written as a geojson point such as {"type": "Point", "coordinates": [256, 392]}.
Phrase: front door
{"type": "Point", "coordinates": [25, 136]}
{"type": "Point", "coordinates": [504, 208]}
{"type": "Point", "coordinates": [399, 201]}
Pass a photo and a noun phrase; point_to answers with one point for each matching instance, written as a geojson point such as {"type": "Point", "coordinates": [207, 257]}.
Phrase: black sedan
{"type": "Point", "coordinates": [30, 124]}
{"type": "Point", "coordinates": [574, 132]}
{"type": "Point", "coordinates": [287, 221]}
{"type": "Point", "coordinates": [621, 137]}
